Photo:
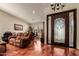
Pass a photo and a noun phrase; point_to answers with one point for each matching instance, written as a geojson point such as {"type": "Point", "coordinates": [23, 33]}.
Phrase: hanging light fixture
{"type": "Point", "coordinates": [57, 6]}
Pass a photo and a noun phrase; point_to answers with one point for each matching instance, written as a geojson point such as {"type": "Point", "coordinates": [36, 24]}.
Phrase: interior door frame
{"type": "Point", "coordinates": [75, 24]}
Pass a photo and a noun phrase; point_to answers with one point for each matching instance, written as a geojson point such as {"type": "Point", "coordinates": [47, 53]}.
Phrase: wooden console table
{"type": "Point", "coordinates": [2, 46]}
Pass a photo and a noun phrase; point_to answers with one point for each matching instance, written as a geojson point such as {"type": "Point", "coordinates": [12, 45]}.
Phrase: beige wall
{"type": "Point", "coordinates": [48, 10]}
{"type": "Point", "coordinates": [37, 26]}
{"type": "Point", "coordinates": [7, 23]}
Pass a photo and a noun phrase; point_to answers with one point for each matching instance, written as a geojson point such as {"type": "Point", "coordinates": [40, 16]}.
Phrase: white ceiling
{"type": "Point", "coordinates": [25, 11]}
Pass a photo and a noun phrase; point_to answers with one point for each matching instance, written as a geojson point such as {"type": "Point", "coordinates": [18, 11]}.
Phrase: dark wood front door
{"type": "Point", "coordinates": [60, 29]}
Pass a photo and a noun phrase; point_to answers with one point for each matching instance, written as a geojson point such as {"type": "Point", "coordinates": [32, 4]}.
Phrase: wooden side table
{"type": "Point", "coordinates": [2, 43]}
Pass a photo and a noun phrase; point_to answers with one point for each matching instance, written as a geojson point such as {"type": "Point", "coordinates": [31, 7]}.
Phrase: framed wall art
{"type": "Point", "coordinates": [18, 27]}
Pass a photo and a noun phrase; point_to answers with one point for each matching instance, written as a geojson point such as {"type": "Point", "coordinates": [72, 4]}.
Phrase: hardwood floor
{"type": "Point", "coordinates": [37, 49]}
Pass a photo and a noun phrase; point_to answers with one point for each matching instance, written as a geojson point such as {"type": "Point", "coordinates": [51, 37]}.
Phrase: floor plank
{"type": "Point", "coordinates": [36, 49]}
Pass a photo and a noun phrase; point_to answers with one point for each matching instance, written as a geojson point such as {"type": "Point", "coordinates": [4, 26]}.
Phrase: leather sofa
{"type": "Point", "coordinates": [22, 40]}
{"type": "Point", "coordinates": [22, 43]}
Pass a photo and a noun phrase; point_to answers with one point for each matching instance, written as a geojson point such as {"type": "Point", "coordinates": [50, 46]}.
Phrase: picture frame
{"type": "Point", "coordinates": [18, 27]}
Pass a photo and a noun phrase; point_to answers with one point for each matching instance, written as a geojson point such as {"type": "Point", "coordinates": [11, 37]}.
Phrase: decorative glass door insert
{"type": "Point", "coordinates": [59, 30]}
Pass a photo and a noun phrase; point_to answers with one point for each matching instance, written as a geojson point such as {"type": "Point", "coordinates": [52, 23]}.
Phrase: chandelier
{"type": "Point", "coordinates": [57, 6]}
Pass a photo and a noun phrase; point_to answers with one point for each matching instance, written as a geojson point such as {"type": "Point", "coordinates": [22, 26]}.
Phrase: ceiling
{"type": "Point", "coordinates": [29, 12]}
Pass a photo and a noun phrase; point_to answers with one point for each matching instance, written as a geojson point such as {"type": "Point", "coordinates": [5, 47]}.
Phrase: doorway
{"type": "Point", "coordinates": [61, 28]}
